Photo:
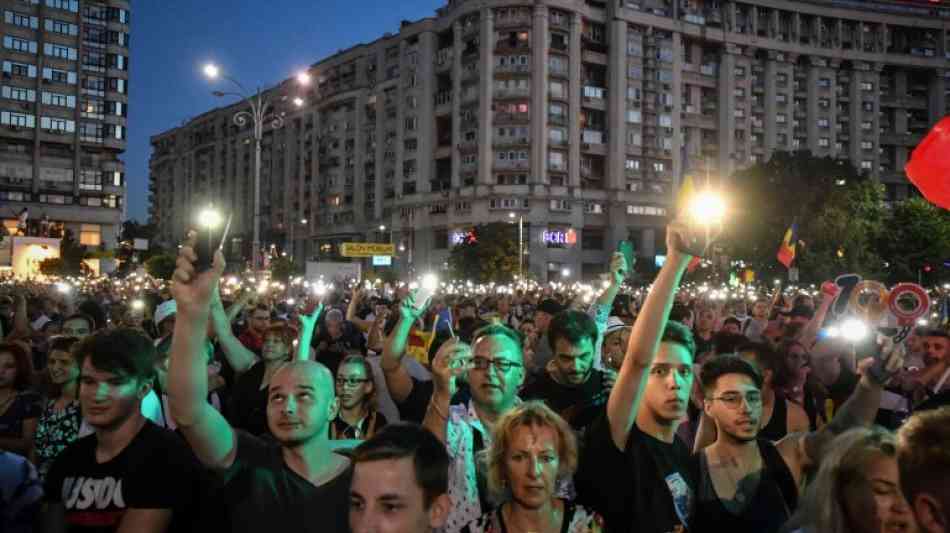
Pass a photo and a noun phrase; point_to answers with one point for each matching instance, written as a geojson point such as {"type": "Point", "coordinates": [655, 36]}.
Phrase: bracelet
{"type": "Point", "coordinates": [438, 411]}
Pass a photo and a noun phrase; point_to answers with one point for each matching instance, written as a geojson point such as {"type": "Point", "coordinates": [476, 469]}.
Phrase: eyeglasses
{"type": "Point", "coordinates": [350, 382]}
{"type": "Point", "coordinates": [734, 401]}
{"type": "Point", "coordinates": [503, 365]}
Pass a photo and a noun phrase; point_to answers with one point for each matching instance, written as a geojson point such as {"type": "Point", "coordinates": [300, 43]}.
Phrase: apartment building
{"type": "Point", "coordinates": [577, 118]}
{"type": "Point", "coordinates": [63, 109]}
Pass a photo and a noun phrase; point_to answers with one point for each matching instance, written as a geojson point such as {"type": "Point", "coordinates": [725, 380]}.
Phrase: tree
{"type": "Point", "coordinates": [489, 254]}
{"type": "Point", "coordinates": [915, 235]}
{"type": "Point", "coordinates": [833, 205]}
{"type": "Point", "coordinates": [161, 265]}
{"type": "Point", "coordinates": [282, 269]}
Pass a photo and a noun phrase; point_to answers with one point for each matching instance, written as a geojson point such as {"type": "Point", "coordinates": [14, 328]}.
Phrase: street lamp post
{"type": "Point", "coordinates": [293, 244]}
{"type": "Point", "coordinates": [520, 245]}
{"type": "Point", "coordinates": [258, 117]}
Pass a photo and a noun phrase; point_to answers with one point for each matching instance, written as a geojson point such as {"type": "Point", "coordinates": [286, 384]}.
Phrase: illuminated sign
{"type": "Point", "coordinates": [568, 237]}
{"type": "Point", "coordinates": [462, 237]}
{"type": "Point", "coordinates": [366, 249]}
{"type": "Point", "coordinates": [382, 260]}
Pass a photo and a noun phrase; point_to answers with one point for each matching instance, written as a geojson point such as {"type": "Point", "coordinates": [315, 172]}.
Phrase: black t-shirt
{"type": "Point", "coordinates": [155, 471]}
{"type": "Point", "coordinates": [647, 487]}
{"type": "Point", "coordinates": [264, 494]}
{"type": "Point", "coordinates": [248, 409]}
{"type": "Point", "coordinates": [578, 405]}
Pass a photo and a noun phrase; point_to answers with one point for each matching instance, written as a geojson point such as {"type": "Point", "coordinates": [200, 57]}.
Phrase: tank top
{"type": "Point", "coordinates": [777, 427]}
{"type": "Point", "coordinates": [766, 512]}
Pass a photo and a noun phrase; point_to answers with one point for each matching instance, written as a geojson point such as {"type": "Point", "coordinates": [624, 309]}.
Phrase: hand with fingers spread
{"type": "Point", "coordinates": [407, 307]}
{"type": "Point", "coordinates": [193, 291]}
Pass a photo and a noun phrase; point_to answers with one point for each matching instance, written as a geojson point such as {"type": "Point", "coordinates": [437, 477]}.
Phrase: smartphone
{"type": "Point", "coordinates": [210, 240]}
{"type": "Point", "coordinates": [426, 290]}
{"type": "Point", "coordinates": [626, 248]}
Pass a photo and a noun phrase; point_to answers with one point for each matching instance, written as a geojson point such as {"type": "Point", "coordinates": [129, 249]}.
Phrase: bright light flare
{"type": "Point", "coordinates": [707, 207]}
{"type": "Point", "coordinates": [212, 71]}
{"type": "Point", "coordinates": [138, 305]}
{"type": "Point", "coordinates": [209, 218]}
{"type": "Point", "coordinates": [854, 330]}
{"type": "Point", "coordinates": [303, 77]}
{"type": "Point", "coordinates": [430, 282]}
{"type": "Point", "coordinates": [298, 101]}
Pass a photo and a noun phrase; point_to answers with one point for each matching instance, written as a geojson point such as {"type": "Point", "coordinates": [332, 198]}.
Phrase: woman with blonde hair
{"type": "Point", "coordinates": [532, 449]}
{"type": "Point", "coordinates": [857, 488]}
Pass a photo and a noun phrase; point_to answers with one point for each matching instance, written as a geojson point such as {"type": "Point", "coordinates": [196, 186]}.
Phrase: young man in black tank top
{"type": "Point", "coordinates": [747, 483]}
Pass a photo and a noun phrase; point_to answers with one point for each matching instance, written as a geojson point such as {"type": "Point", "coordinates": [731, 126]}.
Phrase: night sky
{"type": "Point", "coordinates": [257, 42]}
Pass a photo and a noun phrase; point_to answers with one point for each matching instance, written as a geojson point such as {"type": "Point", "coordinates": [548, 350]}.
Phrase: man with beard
{"type": "Point", "coordinates": [749, 484]}
{"type": "Point", "coordinates": [293, 483]}
{"type": "Point", "coordinates": [930, 385]}
{"type": "Point", "coordinates": [570, 384]}
{"type": "Point", "coordinates": [130, 475]}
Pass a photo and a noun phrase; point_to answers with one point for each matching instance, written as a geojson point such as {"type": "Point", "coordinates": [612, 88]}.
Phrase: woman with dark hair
{"type": "Point", "coordinates": [357, 418]}
{"type": "Point", "coordinates": [61, 419]}
{"type": "Point", "coordinates": [800, 386]}
{"type": "Point", "coordinates": [19, 405]}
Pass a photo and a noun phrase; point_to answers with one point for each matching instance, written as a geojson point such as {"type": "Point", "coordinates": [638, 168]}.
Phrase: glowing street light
{"type": "Point", "coordinates": [303, 78]}
{"type": "Point", "coordinates": [298, 101]}
{"type": "Point", "coordinates": [708, 208]}
{"type": "Point", "coordinates": [211, 71]}
{"type": "Point", "coordinates": [209, 218]}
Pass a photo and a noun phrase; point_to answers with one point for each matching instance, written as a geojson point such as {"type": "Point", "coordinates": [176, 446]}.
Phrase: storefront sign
{"type": "Point", "coordinates": [568, 237]}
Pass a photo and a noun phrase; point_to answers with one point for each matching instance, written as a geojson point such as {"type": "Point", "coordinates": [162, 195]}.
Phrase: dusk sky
{"type": "Point", "coordinates": [256, 42]}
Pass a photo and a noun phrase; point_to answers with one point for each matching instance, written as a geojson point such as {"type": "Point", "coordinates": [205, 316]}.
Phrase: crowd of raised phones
{"type": "Point", "coordinates": [521, 411]}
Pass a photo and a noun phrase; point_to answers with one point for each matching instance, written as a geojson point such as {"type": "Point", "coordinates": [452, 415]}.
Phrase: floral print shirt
{"type": "Point", "coordinates": [54, 431]}
{"type": "Point", "coordinates": [577, 519]}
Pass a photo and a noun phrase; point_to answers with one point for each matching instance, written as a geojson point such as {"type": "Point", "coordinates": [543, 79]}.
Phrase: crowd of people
{"type": "Point", "coordinates": [507, 411]}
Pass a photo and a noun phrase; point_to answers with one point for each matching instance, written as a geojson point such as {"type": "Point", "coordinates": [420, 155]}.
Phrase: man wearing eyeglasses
{"type": "Point", "coordinates": [494, 367]}
{"type": "Point", "coordinates": [747, 483]}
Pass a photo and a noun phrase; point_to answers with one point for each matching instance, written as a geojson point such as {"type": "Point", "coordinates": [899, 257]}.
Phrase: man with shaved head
{"type": "Point", "coordinates": [296, 483]}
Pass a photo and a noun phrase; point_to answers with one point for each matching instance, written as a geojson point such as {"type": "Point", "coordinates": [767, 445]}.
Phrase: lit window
{"type": "Point", "coordinates": [90, 235]}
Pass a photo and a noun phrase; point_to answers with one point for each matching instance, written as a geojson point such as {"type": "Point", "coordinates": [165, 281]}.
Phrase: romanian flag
{"type": "Point", "coordinates": [786, 252]}
{"type": "Point", "coordinates": [685, 194]}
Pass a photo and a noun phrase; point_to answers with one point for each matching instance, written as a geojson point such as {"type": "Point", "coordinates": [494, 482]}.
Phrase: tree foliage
{"type": "Point", "coordinates": [839, 213]}
{"type": "Point", "coordinates": [491, 256]}
{"type": "Point", "coordinates": [917, 234]}
{"type": "Point", "coordinates": [161, 265]}
{"type": "Point", "coordinates": [282, 269]}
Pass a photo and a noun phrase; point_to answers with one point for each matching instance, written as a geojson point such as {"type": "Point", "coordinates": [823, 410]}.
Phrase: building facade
{"type": "Point", "coordinates": [576, 118]}
{"type": "Point", "coordinates": [63, 109]}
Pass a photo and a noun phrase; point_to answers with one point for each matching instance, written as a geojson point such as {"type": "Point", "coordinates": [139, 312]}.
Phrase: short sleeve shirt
{"type": "Point", "coordinates": [155, 471]}
{"type": "Point", "coordinates": [647, 486]}
{"type": "Point", "coordinates": [264, 494]}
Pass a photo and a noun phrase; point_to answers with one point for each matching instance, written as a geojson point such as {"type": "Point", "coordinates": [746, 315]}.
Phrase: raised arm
{"type": "Point", "coordinates": [618, 271]}
{"type": "Point", "coordinates": [235, 309]}
{"type": "Point", "coordinates": [446, 367]}
{"type": "Point", "coordinates": [209, 434]}
{"type": "Point", "coordinates": [624, 401]}
{"type": "Point", "coordinates": [354, 306]}
{"type": "Point", "coordinates": [398, 380]}
{"type": "Point", "coordinates": [809, 334]}
{"type": "Point", "coordinates": [804, 450]}
{"type": "Point", "coordinates": [239, 356]}
{"type": "Point", "coordinates": [307, 324]}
